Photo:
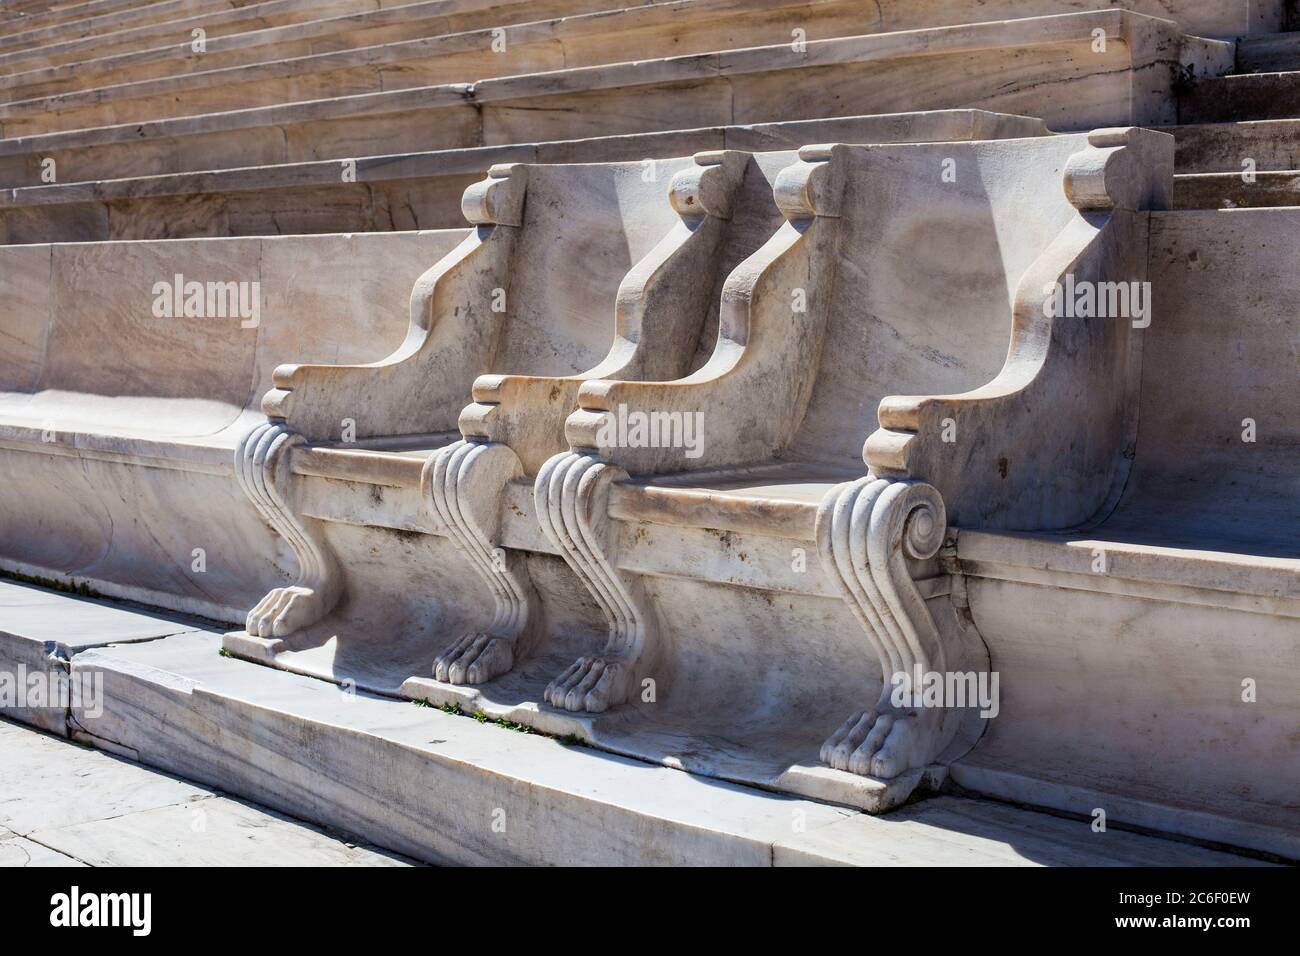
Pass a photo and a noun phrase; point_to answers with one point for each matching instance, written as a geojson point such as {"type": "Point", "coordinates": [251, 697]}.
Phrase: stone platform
{"type": "Point", "coordinates": [447, 788]}
{"type": "Point", "coordinates": [66, 805]}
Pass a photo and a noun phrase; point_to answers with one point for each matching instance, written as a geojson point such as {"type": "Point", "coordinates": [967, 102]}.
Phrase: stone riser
{"type": "Point", "coordinates": [30, 43]}
{"type": "Point", "coordinates": [1273, 145]}
{"type": "Point", "coordinates": [1254, 96]}
{"type": "Point", "coordinates": [236, 39]}
{"type": "Point", "coordinates": [1055, 77]}
{"type": "Point", "coordinates": [433, 784]}
{"type": "Point", "coordinates": [408, 192]}
{"type": "Point", "coordinates": [434, 203]}
{"type": "Point", "coordinates": [655, 31]}
{"type": "Point", "coordinates": [395, 193]}
{"type": "Point", "coordinates": [1269, 54]}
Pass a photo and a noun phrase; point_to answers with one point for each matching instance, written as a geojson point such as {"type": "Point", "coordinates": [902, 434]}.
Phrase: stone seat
{"type": "Point", "coordinates": [118, 426]}
{"type": "Point", "coordinates": [410, 191]}
{"type": "Point", "coordinates": [186, 428]}
{"type": "Point", "coordinates": [77, 30]}
{"type": "Point", "coordinates": [688, 554]}
{"type": "Point", "coordinates": [252, 33]}
{"type": "Point", "coordinates": [606, 217]}
{"type": "Point", "coordinates": [425, 53]}
{"type": "Point", "coordinates": [643, 244]}
{"type": "Point", "coordinates": [1064, 82]}
{"type": "Point", "coordinates": [751, 527]}
{"type": "Point", "coordinates": [1164, 604]}
{"type": "Point", "coordinates": [772, 499]}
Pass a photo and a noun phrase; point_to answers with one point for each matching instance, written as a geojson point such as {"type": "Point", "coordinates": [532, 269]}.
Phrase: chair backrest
{"type": "Point", "coordinates": [101, 319]}
{"type": "Point", "coordinates": [934, 240]}
{"type": "Point", "coordinates": [584, 227]}
{"type": "Point", "coordinates": [755, 217]}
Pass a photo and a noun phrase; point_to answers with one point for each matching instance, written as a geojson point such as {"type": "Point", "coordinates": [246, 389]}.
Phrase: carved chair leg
{"type": "Point", "coordinates": [866, 531]}
{"type": "Point", "coordinates": [571, 494]}
{"type": "Point", "coordinates": [262, 470]}
{"type": "Point", "coordinates": [463, 485]}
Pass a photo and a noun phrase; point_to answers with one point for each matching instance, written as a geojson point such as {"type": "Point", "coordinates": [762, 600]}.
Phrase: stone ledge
{"type": "Point", "coordinates": [428, 784]}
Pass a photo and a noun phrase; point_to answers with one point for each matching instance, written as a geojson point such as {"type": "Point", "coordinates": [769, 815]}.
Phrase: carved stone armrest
{"type": "Point", "coordinates": [1046, 443]}
{"type": "Point", "coordinates": [746, 401]}
{"type": "Point", "coordinates": [525, 412]}
{"type": "Point", "coordinates": [416, 389]}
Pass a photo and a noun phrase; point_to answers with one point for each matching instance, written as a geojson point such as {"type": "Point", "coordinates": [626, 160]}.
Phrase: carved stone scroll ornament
{"type": "Point", "coordinates": [866, 532]}
{"type": "Point", "coordinates": [462, 484]}
{"type": "Point", "coordinates": [571, 494]}
{"type": "Point", "coordinates": [262, 470]}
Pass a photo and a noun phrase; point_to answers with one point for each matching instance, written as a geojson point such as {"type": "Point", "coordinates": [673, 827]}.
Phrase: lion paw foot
{"type": "Point", "coordinates": [882, 743]}
{"type": "Point", "coordinates": [286, 610]}
{"type": "Point", "coordinates": [591, 684]}
{"type": "Point", "coordinates": [474, 659]}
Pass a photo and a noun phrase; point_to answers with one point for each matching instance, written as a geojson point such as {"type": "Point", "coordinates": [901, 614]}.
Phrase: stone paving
{"type": "Point", "coordinates": [62, 804]}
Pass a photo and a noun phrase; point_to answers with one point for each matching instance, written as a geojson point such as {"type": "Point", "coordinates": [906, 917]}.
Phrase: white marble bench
{"type": "Point", "coordinates": [717, 576]}
{"type": "Point", "coordinates": [573, 271]}
{"type": "Point", "coordinates": [118, 422]}
{"type": "Point", "coordinates": [1175, 609]}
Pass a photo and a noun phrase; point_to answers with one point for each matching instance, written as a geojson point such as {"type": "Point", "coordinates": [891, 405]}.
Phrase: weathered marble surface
{"type": "Point", "coordinates": [40, 630]}
{"type": "Point", "coordinates": [1059, 77]}
{"type": "Point", "coordinates": [66, 805]}
{"type": "Point", "coordinates": [415, 190]}
{"type": "Point", "coordinates": [259, 34]}
{"type": "Point", "coordinates": [293, 27]}
{"type": "Point", "coordinates": [432, 785]}
{"type": "Point", "coordinates": [460, 626]}
{"type": "Point", "coordinates": [1134, 668]}
{"type": "Point", "coordinates": [760, 380]}
{"type": "Point", "coordinates": [573, 41]}
{"type": "Point", "coordinates": [546, 577]}
{"type": "Point", "coordinates": [635, 32]}
{"type": "Point", "coordinates": [117, 461]}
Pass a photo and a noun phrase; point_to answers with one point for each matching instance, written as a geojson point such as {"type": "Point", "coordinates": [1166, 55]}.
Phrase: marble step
{"type": "Point", "coordinates": [233, 40]}
{"type": "Point", "coordinates": [431, 785]}
{"type": "Point", "coordinates": [652, 30]}
{"type": "Point", "coordinates": [321, 26]}
{"type": "Point", "coordinates": [1269, 54]}
{"type": "Point", "coordinates": [1225, 147]}
{"type": "Point", "coordinates": [410, 191]}
{"type": "Point", "coordinates": [1241, 96]}
{"type": "Point", "coordinates": [1059, 79]}
{"type": "Point", "coordinates": [106, 17]}
{"type": "Point", "coordinates": [364, 21]}
{"type": "Point", "coordinates": [72, 806]}
{"type": "Point", "coordinates": [1280, 187]}
{"type": "Point", "coordinates": [21, 15]}
{"type": "Point", "coordinates": [422, 190]}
